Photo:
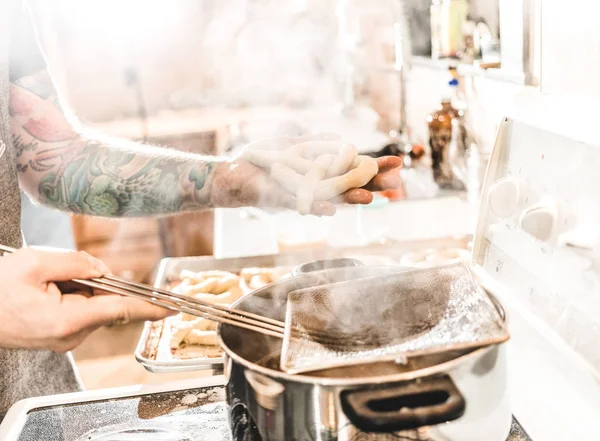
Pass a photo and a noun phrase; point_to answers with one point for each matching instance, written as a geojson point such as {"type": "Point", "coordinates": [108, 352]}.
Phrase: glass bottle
{"type": "Point", "coordinates": [447, 21]}
{"type": "Point", "coordinates": [447, 140]}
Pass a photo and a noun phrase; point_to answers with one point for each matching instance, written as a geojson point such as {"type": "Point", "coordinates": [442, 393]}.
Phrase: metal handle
{"type": "Point", "coordinates": [319, 265]}
{"type": "Point", "coordinates": [70, 287]}
{"type": "Point", "coordinates": [405, 406]}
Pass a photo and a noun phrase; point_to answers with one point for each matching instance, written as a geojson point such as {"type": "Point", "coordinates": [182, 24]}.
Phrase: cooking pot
{"type": "Point", "coordinates": [454, 396]}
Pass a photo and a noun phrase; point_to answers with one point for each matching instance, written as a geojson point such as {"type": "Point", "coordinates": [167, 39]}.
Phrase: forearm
{"type": "Point", "coordinates": [87, 174]}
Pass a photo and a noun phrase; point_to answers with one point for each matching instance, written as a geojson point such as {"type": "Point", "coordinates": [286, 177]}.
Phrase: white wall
{"type": "Point", "coordinates": [570, 49]}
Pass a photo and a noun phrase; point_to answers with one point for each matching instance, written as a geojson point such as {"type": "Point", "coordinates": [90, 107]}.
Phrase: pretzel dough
{"type": "Point", "coordinates": [248, 273]}
{"type": "Point", "coordinates": [315, 170]}
{"type": "Point", "coordinates": [179, 332]}
{"type": "Point", "coordinates": [308, 186]}
{"type": "Point", "coordinates": [198, 277]}
{"type": "Point", "coordinates": [363, 170]}
{"type": "Point", "coordinates": [227, 297]}
{"type": "Point", "coordinates": [225, 284]}
{"type": "Point", "coordinates": [343, 162]}
{"type": "Point", "coordinates": [192, 336]}
{"type": "Point", "coordinates": [198, 337]}
{"type": "Point", "coordinates": [204, 286]}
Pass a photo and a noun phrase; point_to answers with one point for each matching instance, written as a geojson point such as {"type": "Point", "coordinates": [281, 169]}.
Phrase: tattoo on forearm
{"type": "Point", "coordinates": [68, 171]}
{"type": "Point", "coordinates": [22, 146]}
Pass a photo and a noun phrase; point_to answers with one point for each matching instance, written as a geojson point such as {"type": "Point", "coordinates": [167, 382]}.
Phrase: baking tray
{"type": "Point", "coordinates": [151, 351]}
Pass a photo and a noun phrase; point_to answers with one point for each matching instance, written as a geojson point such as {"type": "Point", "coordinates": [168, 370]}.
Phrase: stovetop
{"type": "Point", "coordinates": [191, 415]}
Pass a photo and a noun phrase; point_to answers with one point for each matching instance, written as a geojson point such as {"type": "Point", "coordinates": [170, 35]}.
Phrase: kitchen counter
{"type": "Point", "coordinates": [250, 233]}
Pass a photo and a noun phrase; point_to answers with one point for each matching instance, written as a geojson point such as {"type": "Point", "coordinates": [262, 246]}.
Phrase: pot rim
{"type": "Point", "coordinates": [360, 381]}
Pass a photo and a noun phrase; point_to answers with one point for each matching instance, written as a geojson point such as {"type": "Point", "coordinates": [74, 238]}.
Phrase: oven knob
{"type": "Point", "coordinates": [507, 196]}
{"type": "Point", "coordinates": [539, 222]}
{"type": "Point", "coordinates": [547, 220]}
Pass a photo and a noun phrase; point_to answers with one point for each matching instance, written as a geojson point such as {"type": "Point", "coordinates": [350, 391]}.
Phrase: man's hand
{"type": "Point", "coordinates": [36, 315]}
{"type": "Point", "coordinates": [239, 183]}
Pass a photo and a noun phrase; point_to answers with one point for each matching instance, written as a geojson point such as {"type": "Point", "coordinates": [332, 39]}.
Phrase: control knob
{"type": "Point", "coordinates": [547, 220]}
{"type": "Point", "coordinates": [508, 196]}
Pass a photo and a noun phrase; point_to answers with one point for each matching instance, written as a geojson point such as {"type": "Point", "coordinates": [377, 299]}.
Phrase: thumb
{"type": "Point", "coordinates": [59, 265]}
{"type": "Point", "coordinates": [114, 309]}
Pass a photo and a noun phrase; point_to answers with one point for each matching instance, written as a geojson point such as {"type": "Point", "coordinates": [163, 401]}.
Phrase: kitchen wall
{"type": "Point", "coordinates": [187, 53]}
{"type": "Point", "coordinates": [186, 47]}
{"type": "Point", "coordinates": [202, 52]}
{"type": "Point", "coordinates": [571, 48]}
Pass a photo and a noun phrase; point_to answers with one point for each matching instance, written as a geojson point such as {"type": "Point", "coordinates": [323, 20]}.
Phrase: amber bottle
{"type": "Point", "coordinates": [440, 136]}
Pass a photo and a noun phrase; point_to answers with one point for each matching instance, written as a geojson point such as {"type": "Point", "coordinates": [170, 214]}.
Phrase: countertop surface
{"type": "Point", "coordinates": [240, 232]}
{"type": "Point", "coordinates": [194, 415]}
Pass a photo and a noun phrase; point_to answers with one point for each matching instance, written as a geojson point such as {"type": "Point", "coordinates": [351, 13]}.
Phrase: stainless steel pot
{"type": "Point", "coordinates": [458, 396]}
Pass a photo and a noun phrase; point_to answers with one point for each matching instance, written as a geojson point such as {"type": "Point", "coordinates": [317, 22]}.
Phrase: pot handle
{"type": "Point", "coordinates": [405, 406]}
{"type": "Point", "coordinates": [319, 265]}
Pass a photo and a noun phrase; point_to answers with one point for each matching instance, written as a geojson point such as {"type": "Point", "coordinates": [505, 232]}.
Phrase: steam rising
{"type": "Point", "coordinates": [387, 317]}
{"type": "Point", "coordinates": [265, 54]}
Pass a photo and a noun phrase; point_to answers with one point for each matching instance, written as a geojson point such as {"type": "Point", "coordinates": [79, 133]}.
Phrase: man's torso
{"type": "Point", "coordinates": [23, 373]}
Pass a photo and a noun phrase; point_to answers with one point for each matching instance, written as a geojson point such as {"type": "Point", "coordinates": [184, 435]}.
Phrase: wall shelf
{"type": "Point", "coordinates": [470, 70]}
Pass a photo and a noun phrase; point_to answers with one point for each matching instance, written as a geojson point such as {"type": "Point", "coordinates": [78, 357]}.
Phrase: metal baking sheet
{"type": "Point", "coordinates": [154, 355]}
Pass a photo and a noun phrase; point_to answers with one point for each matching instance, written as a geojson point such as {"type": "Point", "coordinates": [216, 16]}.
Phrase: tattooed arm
{"type": "Point", "coordinates": [72, 171]}
{"type": "Point", "coordinates": [65, 169]}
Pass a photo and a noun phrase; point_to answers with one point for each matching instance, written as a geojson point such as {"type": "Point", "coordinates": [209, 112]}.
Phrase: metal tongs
{"type": "Point", "coordinates": [175, 302]}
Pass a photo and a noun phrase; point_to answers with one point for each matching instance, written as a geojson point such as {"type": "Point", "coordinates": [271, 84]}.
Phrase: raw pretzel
{"type": "Point", "coordinates": [204, 286]}
{"type": "Point", "coordinates": [306, 190]}
{"type": "Point", "coordinates": [193, 336]}
{"type": "Point", "coordinates": [227, 297]}
{"type": "Point", "coordinates": [343, 162]}
{"type": "Point", "coordinates": [199, 337]}
{"type": "Point", "coordinates": [198, 277]}
{"type": "Point", "coordinates": [179, 332]}
{"type": "Point", "coordinates": [225, 284]}
{"type": "Point", "coordinates": [248, 273]}
{"type": "Point", "coordinates": [363, 170]}
{"type": "Point", "coordinates": [315, 170]}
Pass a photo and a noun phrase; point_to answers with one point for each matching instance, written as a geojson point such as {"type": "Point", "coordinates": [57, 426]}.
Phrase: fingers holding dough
{"type": "Point", "coordinates": [316, 169]}
{"type": "Point", "coordinates": [364, 169]}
